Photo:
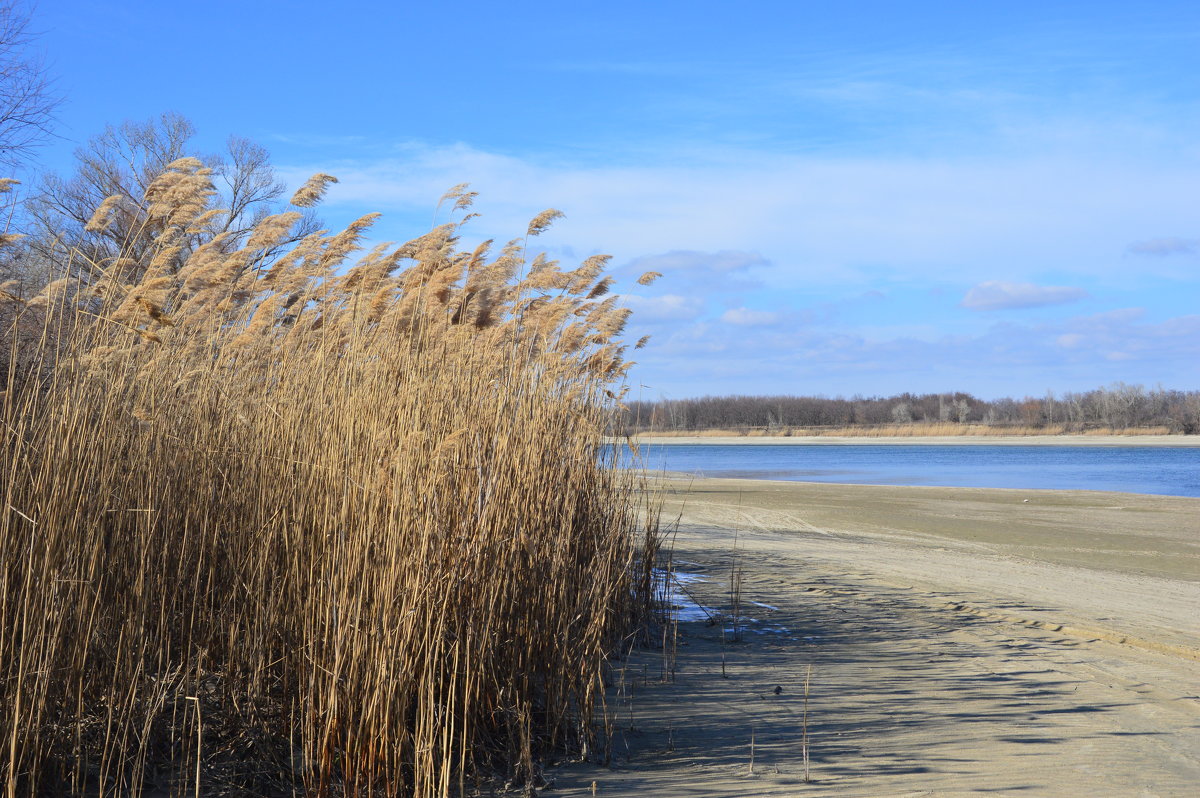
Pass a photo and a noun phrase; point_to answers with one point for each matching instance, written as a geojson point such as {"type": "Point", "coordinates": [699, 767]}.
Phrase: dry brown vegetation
{"type": "Point", "coordinates": [933, 430]}
{"type": "Point", "coordinates": [1118, 409]}
{"type": "Point", "coordinates": [286, 524]}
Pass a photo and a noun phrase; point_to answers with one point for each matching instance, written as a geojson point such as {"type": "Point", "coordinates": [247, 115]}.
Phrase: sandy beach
{"type": "Point", "coordinates": [955, 641]}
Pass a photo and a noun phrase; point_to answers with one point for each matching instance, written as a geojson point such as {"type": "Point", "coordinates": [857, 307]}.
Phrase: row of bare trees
{"type": "Point", "coordinates": [1117, 406]}
{"type": "Point", "coordinates": [61, 237]}
{"type": "Point", "coordinates": [49, 231]}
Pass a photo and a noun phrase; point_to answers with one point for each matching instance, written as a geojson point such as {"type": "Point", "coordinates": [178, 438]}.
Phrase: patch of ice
{"type": "Point", "coordinates": [670, 588]}
{"type": "Point", "coordinates": [684, 578]}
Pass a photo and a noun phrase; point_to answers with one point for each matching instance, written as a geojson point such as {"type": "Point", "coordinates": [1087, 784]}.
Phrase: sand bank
{"type": "Point", "coordinates": [961, 640]}
{"type": "Point", "coordinates": [932, 440]}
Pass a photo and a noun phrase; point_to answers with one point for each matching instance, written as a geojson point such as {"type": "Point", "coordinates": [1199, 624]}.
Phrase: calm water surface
{"type": "Point", "coordinates": [1162, 470]}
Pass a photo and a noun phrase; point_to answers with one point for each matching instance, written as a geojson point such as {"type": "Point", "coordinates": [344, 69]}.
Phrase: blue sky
{"type": "Point", "coordinates": [1001, 198]}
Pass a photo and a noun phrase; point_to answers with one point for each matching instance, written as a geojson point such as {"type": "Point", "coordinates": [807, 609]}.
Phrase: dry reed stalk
{"type": "Point", "coordinates": [299, 531]}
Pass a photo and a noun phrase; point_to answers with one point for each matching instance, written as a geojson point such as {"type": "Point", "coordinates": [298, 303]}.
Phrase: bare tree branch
{"type": "Point", "coordinates": [27, 99]}
{"type": "Point", "coordinates": [123, 161]}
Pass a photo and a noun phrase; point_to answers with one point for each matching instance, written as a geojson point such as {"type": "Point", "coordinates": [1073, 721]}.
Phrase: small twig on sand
{"type": "Point", "coordinates": [804, 725]}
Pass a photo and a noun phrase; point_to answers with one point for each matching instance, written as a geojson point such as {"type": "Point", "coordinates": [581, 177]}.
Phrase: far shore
{"type": "Point", "coordinates": [917, 440]}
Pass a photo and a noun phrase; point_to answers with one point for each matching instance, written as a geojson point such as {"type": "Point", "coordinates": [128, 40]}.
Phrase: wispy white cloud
{"type": "Point", "coordinates": [1004, 359]}
{"type": "Point", "coordinates": [1108, 319]}
{"type": "Point", "coordinates": [721, 271]}
{"type": "Point", "coordinates": [999, 295]}
{"type": "Point", "coordinates": [1163, 247]}
{"type": "Point", "coordinates": [668, 307]}
{"type": "Point", "coordinates": [745, 233]}
{"type": "Point", "coordinates": [1070, 340]}
{"type": "Point", "coordinates": [811, 220]}
{"type": "Point", "coordinates": [746, 317]}
{"type": "Point", "coordinates": [690, 261]}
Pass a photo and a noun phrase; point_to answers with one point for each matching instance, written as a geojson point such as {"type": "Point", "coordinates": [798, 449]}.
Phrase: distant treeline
{"type": "Point", "coordinates": [1116, 407]}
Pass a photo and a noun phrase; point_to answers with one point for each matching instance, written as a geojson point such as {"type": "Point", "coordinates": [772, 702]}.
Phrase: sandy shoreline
{"type": "Point", "coordinates": [961, 640]}
{"type": "Point", "coordinates": [933, 440]}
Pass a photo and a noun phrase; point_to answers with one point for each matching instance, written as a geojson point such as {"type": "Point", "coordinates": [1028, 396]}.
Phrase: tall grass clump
{"type": "Point", "coordinates": [292, 523]}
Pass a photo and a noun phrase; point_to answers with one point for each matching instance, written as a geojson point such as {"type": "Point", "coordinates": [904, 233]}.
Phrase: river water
{"type": "Point", "coordinates": [1171, 471]}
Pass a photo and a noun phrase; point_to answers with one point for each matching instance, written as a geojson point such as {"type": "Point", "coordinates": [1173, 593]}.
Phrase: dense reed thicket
{"type": "Point", "coordinates": [278, 523]}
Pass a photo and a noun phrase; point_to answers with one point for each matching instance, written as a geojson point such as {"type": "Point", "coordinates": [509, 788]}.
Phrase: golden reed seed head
{"type": "Point", "coordinates": [601, 288]}
{"type": "Point", "coordinates": [155, 312]}
{"type": "Point", "coordinates": [179, 195]}
{"type": "Point", "coordinates": [313, 190]}
{"type": "Point", "coordinates": [165, 261]}
{"type": "Point", "coordinates": [583, 276]}
{"type": "Point", "coordinates": [272, 230]}
{"type": "Point", "coordinates": [102, 216]}
{"type": "Point", "coordinates": [186, 164]}
{"type": "Point", "coordinates": [454, 192]}
{"type": "Point", "coordinates": [57, 287]}
{"type": "Point", "coordinates": [465, 201]}
{"type": "Point", "coordinates": [201, 223]}
{"type": "Point", "coordinates": [542, 221]}
{"type": "Point", "coordinates": [648, 278]}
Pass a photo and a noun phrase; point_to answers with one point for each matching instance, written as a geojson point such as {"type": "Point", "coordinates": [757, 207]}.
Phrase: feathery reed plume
{"type": "Point", "coordinates": [313, 190]}
{"type": "Point", "coordinates": [582, 277]}
{"type": "Point", "coordinates": [272, 230]}
{"type": "Point", "coordinates": [601, 288]}
{"type": "Point", "coordinates": [453, 193]}
{"type": "Point", "coordinates": [203, 222]}
{"type": "Point", "coordinates": [102, 217]}
{"type": "Point", "coordinates": [648, 278]}
{"type": "Point", "coordinates": [542, 222]}
{"type": "Point", "coordinates": [463, 198]}
{"type": "Point", "coordinates": [155, 312]}
{"type": "Point", "coordinates": [466, 200]}
{"type": "Point", "coordinates": [180, 195]}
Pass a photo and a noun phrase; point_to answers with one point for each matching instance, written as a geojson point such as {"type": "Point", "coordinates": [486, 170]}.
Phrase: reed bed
{"type": "Point", "coordinates": [293, 523]}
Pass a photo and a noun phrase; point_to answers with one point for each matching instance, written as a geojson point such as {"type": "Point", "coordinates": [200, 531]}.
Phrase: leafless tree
{"type": "Point", "coordinates": [121, 162]}
{"type": "Point", "coordinates": [27, 99]}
